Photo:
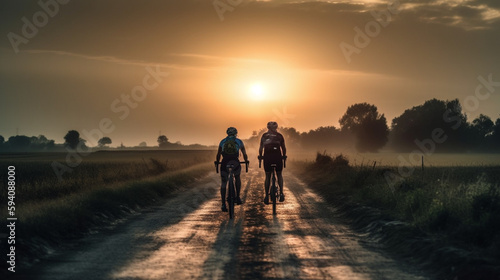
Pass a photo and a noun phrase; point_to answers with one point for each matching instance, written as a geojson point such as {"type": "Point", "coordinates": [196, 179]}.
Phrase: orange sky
{"type": "Point", "coordinates": [260, 61]}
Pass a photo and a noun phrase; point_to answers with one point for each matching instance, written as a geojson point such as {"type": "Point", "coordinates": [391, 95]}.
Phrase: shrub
{"type": "Point", "coordinates": [341, 160]}
{"type": "Point", "coordinates": [327, 160]}
{"type": "Point", "coordinates": [323, 159]}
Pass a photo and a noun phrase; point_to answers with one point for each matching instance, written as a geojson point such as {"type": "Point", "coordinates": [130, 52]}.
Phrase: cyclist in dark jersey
{"type": "Point", "coordinates": [229, 149]}
{"type": "Point", "coordinates": [272, 144]}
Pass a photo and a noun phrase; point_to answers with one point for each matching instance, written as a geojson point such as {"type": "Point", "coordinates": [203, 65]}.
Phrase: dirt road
{"type": "Point", "coordinates": [190, 238]}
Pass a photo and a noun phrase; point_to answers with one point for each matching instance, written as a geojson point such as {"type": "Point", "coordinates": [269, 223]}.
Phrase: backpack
{"type": "Point", "coordinates": [230, 147]}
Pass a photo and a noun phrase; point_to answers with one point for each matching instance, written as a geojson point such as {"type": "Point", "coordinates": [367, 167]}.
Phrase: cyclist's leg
{"type": "Point", "coordinates": [237, 183]}
{"type": "Point", "coordinates": [279, 174]}
{"type": "Point", "coordinates": [276, 159]}
{"type": "Point", "coordinates": [223, 184]}
{"type": "Point", "coordinates": [268, 169]}
{"type": "Point", "coordinates": [237, 180]}
{"type": "Point", "coordinates": [267, 183]}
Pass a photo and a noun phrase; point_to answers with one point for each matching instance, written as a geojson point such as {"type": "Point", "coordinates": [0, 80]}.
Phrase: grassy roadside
{"type": "Point", "coordinates": [44, 225]}
{"type": "Point", "coordinates": [454, 206]}
{"type": "Point", "coordinates": [36, 178]}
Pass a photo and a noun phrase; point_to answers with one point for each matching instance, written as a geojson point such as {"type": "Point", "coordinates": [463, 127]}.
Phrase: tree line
{"type": "Point", "coordinates": [441, 123]}
{"type": "Point", "coordinates": [21, 143]}
{"type": "Point", "coordinates": [435, 126]}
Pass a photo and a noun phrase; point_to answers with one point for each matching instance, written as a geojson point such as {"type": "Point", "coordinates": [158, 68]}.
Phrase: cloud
{"type": "Point", "coordinates": [90, 57]}
{"type": "Point", "coordinates": [490, 3]}
{"type": "Point", "coordinates": [188, 34]}
{"type": "Point", "coordinates": [180, 61]}
{"type": "Point", "coordinates": [466, 14]}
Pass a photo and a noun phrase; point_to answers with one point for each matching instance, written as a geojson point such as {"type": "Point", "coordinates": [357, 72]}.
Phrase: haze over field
{"type": "Point", "coordinates": [197, 67]}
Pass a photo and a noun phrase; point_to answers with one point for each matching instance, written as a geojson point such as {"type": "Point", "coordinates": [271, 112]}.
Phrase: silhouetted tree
{"type": "Point", "coordinates": [418, 125]}
{"type": "Point", "coordinates": [292, 137]}
{"type": "Point", "coordinates": [496, 128]}
{"type": "Point", "coordinates": [41, 143]}
{"type": "Point", "coordinates": [143, 144]}
{"type": "Point", "coordinates": [104, 141]}
{"type": "Point", "coordinates": [483, 125]}
{"type": "Point", "coordinates": [19, 142]}
{"type": "Point", "coordinates": [25, 143]}
{"type": "Point", "coordinates": [2, 140]}
{"type": "Point", "coordinates": [479, 133]}
{"type": "Point", "coordinates": [162, 141]}
{"type": "Point", "coordinates": [369, 127]}
{"type": "Point", "coordinates": [325, 137]}
{"type": "Point", "coordinates": [254, 140]}
{"type": "Point", "coordinates": [495, 137]}
{"type": "Point", "coordinates": [72, 139]}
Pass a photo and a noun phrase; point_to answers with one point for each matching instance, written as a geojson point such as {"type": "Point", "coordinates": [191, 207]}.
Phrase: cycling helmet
{"type": "Point", "coordinates": [232, 131]}
{"type": "Point", "coordinates": [272, 125]}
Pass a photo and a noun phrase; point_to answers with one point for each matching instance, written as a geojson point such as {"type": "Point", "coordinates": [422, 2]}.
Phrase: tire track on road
{"type": "Point", "coordinates": [327, 249]}
{"type": "Point", "coordinates": [263, 253]}
{"type": "Point", "coordinates": [190, 238]}
{"type": "Point", "coordinates": [171, 241]}
{"type": "Point", "coordinates": [222, 259]}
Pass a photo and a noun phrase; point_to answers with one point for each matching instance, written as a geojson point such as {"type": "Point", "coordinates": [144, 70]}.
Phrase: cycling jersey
{"type": "Point", "coordinates": [230, 147]}
{"type": "Point", "coordinates": [273, 142]}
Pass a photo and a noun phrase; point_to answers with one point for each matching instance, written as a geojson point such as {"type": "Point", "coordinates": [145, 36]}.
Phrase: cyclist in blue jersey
{"type": "Point", "coordinates": [229, 149]}
{"type": "Point", "coordinates": [272, 144]}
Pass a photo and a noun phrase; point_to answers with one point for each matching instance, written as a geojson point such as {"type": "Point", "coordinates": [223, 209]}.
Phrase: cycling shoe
{"type": "Point", "coordinates": [266, 199]}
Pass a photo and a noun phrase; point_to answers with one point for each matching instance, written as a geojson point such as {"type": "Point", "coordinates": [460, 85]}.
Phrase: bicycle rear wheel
{"type": "Point", "coordinates": [274, 194]}
{"type": "Point", "coordinates": [231, 198]}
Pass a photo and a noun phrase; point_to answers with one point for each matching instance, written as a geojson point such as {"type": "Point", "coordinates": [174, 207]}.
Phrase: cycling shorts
{"type": "Point", "coordinates": [224, 172]}
{"type": "Point", "coordinates": [273, 159]}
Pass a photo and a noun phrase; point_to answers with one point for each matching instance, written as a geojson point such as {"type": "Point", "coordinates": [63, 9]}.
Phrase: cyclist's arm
{"type": "Point", "coordinates": [261, 147]}
{"type": "Point", "coordinates": [244, 152]}
{"type": "Point", "coordinates": [219, 153]}
{"type": "Point", "coordinates": [283, 147]}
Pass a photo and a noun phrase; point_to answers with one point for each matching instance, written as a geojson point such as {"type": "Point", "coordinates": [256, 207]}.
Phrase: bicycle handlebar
{"type": "Point", "coordinates": [217, 165]}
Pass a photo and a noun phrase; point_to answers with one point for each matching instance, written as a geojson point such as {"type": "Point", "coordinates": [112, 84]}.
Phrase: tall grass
{"type": "Point", "coordinates": [460, 203]}
{"type": "Point", "coordinates": [96, 193]}
{"type": "Point", "coordinates": [37, 181]}
{"type": "Point", "coordinates": [84, 209]}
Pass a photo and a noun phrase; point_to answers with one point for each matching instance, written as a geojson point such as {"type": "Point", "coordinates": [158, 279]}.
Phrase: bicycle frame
{"type": "Point", "coordinates": [231, 197]}
{"type": "Point", "coordinates": [273, 189]}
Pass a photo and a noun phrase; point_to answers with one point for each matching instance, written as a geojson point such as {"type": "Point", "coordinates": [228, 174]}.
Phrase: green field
{"type": "Point", "coordinates": [454, 196]}
{"type": "Point", "coordinates": [37, 181]}
{"type": "Point", "coordinates": [458, 204]}
{"type": "Point", "coordinates": [390, 159]}
{"type": "Point", "coordinates": [104, 187]}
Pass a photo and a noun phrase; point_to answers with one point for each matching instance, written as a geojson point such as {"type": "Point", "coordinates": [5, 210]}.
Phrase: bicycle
{"type": "Point", "coordinates": [231, 198]}
{"type": "Point", "coordinates": [273, 189]}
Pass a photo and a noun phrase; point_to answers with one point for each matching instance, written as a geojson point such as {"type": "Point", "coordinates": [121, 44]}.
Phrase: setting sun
{"type": "Point", "coordinates": [257, 91]}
